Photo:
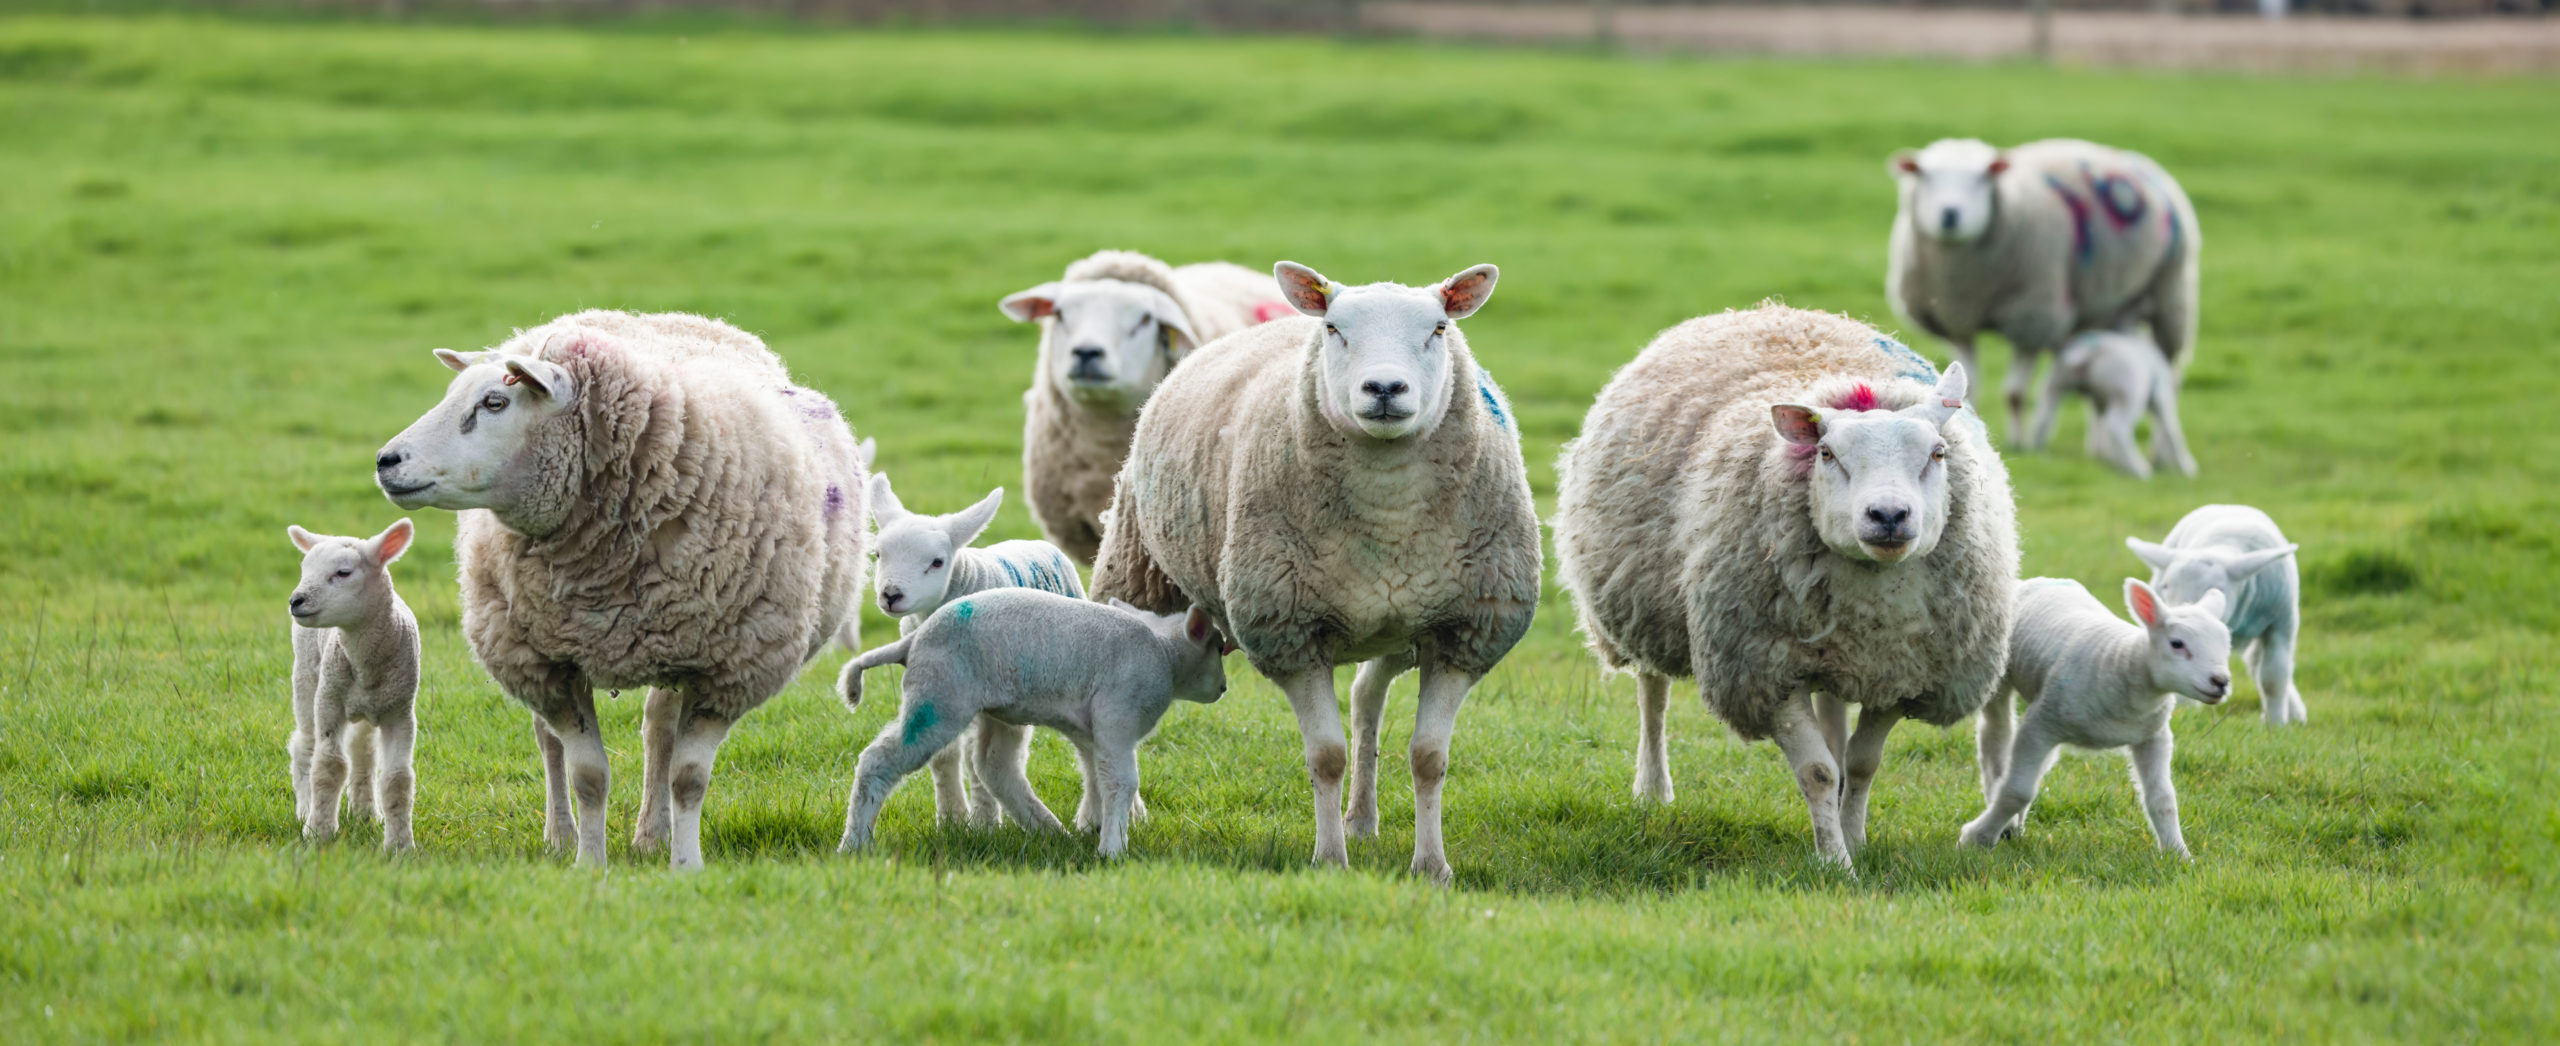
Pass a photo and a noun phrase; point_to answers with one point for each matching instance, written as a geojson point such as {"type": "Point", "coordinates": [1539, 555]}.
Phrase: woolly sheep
{"type": "Point", "coordinates": [1337, 488]}
{"type": "Point", "coordinates": [1102, 675]}
{"type": "Point", "coordinates": [1110, 330]}
{"type": "Point", "coordinates": [2238, 551]}
{"type": "Point", "coordinates": [2125, 377]}
{"type": "Point", "coordinates": [644, 500]}
{"type": "Point", "coordinates": [1801, 513]}
{"type": "Point", "coordinates": [2091, 681]}
{"type": "Point", "coordinates": [355, 684]}
{"type": "Point", "coordinates": [2038, 242]}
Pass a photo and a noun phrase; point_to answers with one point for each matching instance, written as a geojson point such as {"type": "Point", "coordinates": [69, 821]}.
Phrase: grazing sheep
{"type": "Point", "coordinates": [2091, 681]}
{"type": "Point", "coordinates": [1102, 675]}
{"type": "Point", "coordinates": [2124, 376]}
{"type": "Point", "coordinates": [1339, 488]}
{"type": "Point", "coordinates": [2038, 242]}
{"type": "Point", "coordinates": [355, 684]}
{"type": "Point", "coordinates": [1781, 504]}
{"type": "Point", "coordinates": [2237, 551]}
{"type": "Point", "coordinates": [1110, 329]}
{"type": "Point", "coordinates": [643, 501]}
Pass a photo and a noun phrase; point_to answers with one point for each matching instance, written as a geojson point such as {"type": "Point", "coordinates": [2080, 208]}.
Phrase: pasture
{"type": "Point", "coordinates": [226, 247]}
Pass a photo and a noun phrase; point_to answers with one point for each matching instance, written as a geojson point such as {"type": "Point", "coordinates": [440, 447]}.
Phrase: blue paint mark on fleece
{"type": "Point", "coordinates": [919, 722]}
{"type": "Point", "coordinates": [1914, 366]}
{"type": "Point", "coordinates": [964, 611]}
{"type": "Point", "coordinates": [1494, 401]}
{"type": "Point", "coordinates": [1009, 572]}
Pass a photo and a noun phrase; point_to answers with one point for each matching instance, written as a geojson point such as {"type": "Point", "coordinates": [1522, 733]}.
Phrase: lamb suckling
{"type": "Point", "coordinates": [355, 684]}
{"type": "Point", "coordinates": [1795, 510]}
{"type": "Point", "coordinates": [1101, 675]}
{"type": "Point", "coordinates": [2238, 551]}
{"type": "Point", "coordinates": [2092, 681]}
{"type": "Point", "coordinates": [2125, 377]}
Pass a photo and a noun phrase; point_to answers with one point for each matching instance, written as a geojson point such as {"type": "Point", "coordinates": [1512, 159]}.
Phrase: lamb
{"type": "Point", "coordinates": [1802, 514]}
{"type": "Point", "coordinates": [644, 500]}
{"type": "Point", "coordinates": [1102, 675]}
{"type": "Point", "coordinates": [926, 561]}
{"type": "Point", "coordinates": [1340, 487]}
{"type": "Point", "coordinates": [2091, 681]}
{"type": "Point", "coordinates": [2039, 242]}
{"type": "Point", "coordinates": [2124, 376]}
{"type": "Point", "coordinates": [1110, 330]}
{"type": "Point", "coordinates": [2238, 551]}
{"type": "Point", "coordinates": [355, 684]}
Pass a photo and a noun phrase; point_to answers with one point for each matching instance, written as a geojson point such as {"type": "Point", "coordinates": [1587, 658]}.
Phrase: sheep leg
{"type": "Point", "coordinates": [919, 735]}
{"type": "Point", "coordinates": [950, 789]}
{"type": "Point", "coordinates": [1991, 739]}
{"type": "Point", "coordinates": [660, 715]}
{"type": "Point", "coordinates": [1009, 786]}
{"type": "Point", "coordinates": [697, 745]}
{"type": "Point", "coordinates": [1435, 718]}
{"type": "Point", "coordinates": [1653, 754]}
{"type": "Point", "coordinates": [1310, 693]}
{"type": "Point", "coordinates": [395, 785]}
{"type": "Point", "coordinates": [360, 753]}
{"type": "Point", "coordinates": [573, 723]}
{"type": "Point", "coordinates": [1368, 713]}
{"type": "Point", "coordinates": [2270, 662]}
{"type": "Point", "coordinates": [998, 752]}
{"type": "Point", "coordinates": [1118, 773]}
{"type": "Point", "coordinates": [328, 766]}
{"type": "Point", "coordinates": [2029, 757]}
{"type": "Point", "coordinates": [1833, 715]}
{"type": "Point", "coordinates": [1817, 774]}
{"type": "Point", "coordinates": [559, 832]}
{"type": "Point", "coordinates": [2159, 795]}
{"type": "Point", "coordinates": [2168, 439]}
{"type": "Point", "coordinates": [2116, 444]}
{"type": "Point", "coordinates": [1866, 755]}
{"type": "Point", "coordinates": [298, 748]}
{"type": "Point", "coordinates": [2049, 410]}
{"type": "Point", "coordinates": [2023, 359]}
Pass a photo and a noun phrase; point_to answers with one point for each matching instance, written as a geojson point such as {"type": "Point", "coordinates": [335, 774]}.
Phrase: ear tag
{"type": "Point", "coordinates": [1332, 290]}
{"type": "Point", "coordinates": [510, 379]}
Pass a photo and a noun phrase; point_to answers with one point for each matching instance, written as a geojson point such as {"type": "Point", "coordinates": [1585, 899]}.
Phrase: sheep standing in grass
{"type": "Point", "coordinates": [1102, 675]}
{"type": "Point", "coordinates": [2091, 681]}
{"type": "Point", "coordinates": [2238, 551]}
{"type": "Point", "coordinates": [355, 684]}
{"type": "Point", "coordinates": [1110, 330]}
{"type": "Point", "coordinates": [644, 501]}
{"type": "Point", "coordinates": [1794, 509]}
{"type": "Point", "coordinates": [1339, 488]}
{"type": "Point", "coordinates": [2039, 242]}
{"type": "Point", "coordinates": [2125, 377]}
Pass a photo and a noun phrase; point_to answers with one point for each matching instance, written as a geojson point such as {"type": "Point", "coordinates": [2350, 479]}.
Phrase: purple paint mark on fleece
{"type": "Point", "coordinates": [2081, 246]}
{"type": "Point", "coordinates": [835, 501]}
{"type": "Point", "coordinates": [1860, 397]}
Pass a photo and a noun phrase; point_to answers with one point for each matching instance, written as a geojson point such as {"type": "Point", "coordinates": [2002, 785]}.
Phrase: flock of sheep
{"type": "Point", "coordinates": [1788, 506]}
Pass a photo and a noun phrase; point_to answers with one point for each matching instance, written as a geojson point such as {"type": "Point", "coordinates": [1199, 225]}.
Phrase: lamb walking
{"type": "Point", "coordinates": [355, 684]}
{"type": "Point", "coordinates": [2239, 552]}
{"type": "Point", "coordinates": [2125, 377]}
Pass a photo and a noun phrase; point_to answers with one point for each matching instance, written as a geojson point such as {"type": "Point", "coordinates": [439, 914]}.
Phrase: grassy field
{"type": "Point", "coordinates": [226, 247]}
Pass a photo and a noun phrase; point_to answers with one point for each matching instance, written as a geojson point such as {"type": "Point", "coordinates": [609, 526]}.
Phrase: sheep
{"type": "Point", "coordinates": [1110, 330]}
{"type": "Point", "coordinates": [924, 562]}
{"type": "Point", "coordinates": [2125, 376]}
{"type": "Point", "coordinates": [2091, 681]}
{"type": "Point", "coordinates": [1340, 487]}
{"type": "Point", "coordinates": [2038, 242]}
{"type": "Point", "coordinates": [1102, 675]}
{"type": "Point", "coordinates": [1802, 514]}
{"type": "Point", "coordinates": [355, 684]}
{"type": "Point", "coordinates": [2238, 551]}
{"type": "Point", "coordinates": [643, 500]}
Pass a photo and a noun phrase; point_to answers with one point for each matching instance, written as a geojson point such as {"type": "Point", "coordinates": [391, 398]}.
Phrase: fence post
{"type": "Point", "coordinates": [2040, 33]}
{"type": "Point", "coordinates": [1604, 23]}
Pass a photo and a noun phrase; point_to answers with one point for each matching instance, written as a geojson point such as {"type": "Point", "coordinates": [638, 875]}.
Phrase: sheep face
{"type": "Point", "coordinates": [1878, 481]}
{"type": "Point", "coordinates": [2186, 575]}
{"type": "Point", "coordinates": [917, 552]}
{"type": "Point", "coordinates": [2190, 647]}
{"type": "Point", "coordinates": [1385, 357]}
{"type": "Point", "coordinates": [1109, 341]}
{"type": "Point", "coordinates": [1948, 188]}
{"type": "Point", "coordinates": [477, 448]}
{"type": "Point", "coordinates": [344, 580]}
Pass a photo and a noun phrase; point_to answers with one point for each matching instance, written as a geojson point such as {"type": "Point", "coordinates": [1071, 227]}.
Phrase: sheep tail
{"type": "Point", "coordinates": [849, 684]}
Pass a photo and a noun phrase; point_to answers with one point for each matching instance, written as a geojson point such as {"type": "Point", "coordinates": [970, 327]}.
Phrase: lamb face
{"type": "Point", "coordinates": [917, 552]}
{"type": "Point", "coordinates": [1948, 188]}
{"type": "Point", "coordinates": [1201, 673]}
{"type": "Point", "coordinates": [1110, 341]}
{"type": "Point", "coordinates": [1386, 358]}
{"type": "Point", "coordinates": [1878, 486]}
{"type": "Point", "coordinates": [478, 448]}
{"type": "Point", "coordinates": [344, 580]}
{"type": "Point", "coordinates": [2185, 575]}
{"type": "Point", "coordinates": [2190, 648]}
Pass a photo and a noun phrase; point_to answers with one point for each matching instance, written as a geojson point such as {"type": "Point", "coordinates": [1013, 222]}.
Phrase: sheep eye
{"type": "Point", "coordinates": [2179, 645]}
{"type": "Point", "coordinates": [1330, 329]}
{"type": "Point", "coordinates": [1939, 454]}
{"type": "Point", "coordinates": [935, 565]}
{"type": "Point", "coordinates": [344, 574]}
{"type": "Point", "coordinates": [493, 403]}
{"type": "Point", "coordinates": [1825, 448]}
{"type": "Point", "coordinates": [1143, 321]}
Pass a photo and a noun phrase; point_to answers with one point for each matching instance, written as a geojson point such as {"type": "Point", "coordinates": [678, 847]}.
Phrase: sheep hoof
{"type": "Point", "coordinates": [1363, 825]}
{"type": "Point", "coordinates": [1433, 868]}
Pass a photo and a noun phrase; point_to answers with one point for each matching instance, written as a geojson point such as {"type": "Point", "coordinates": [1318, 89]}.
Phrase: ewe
{"type": "Point", "coordinates": [1338, 488]}
{"type": "Point", "coordinates": [2237, 551]}
{"type": "Point", "coordinates": [355, 683]}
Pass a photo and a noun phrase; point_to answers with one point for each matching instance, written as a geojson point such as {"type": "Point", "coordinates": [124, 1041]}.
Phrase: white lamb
{"type": "Point", "coordinates": [2092, 681]}
{"type": "Point", "coordinates": [355, 684]}
{"type": "Point", "coordinates": [2125, 377]}
{"type": "Point", "coordinates": [1796, 510]}
{"type": "Point", "coordinates": [2239, 552]}
{"type": "Point", "coordinates": [2039, 242]}
{"type": "Point", "coordinates": [1101, 675]}
{"type": "Point", "coordinates": [1110, 330]}
{"type": "Point", "coordinates": [1337, 488]}
{"type": "Point", "coordinates": [644, 501]}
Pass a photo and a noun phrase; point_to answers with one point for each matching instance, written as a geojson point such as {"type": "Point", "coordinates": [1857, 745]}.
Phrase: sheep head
{"type": "Point", "coordinates": [1949, 189]}
{"type": "Point", "coordinates": [484, 445]}
{"type": "Point", "coordinates": [1109, 341]}
{"type": "Point", "coordinates": [1387, 351]}
{"type": "Point", "coordinates": [1877, 479]}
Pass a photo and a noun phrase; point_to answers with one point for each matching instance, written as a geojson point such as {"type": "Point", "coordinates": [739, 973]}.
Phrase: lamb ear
{"type": "Point", "coordinates": [386, 547]}
{"type": "Point", "coordinates": [1904, 161]}
{"type": "Point", "coordinates": [867, 452]}
{"type": "Point", "coordinates": [1999, 166]}
{"type": "Point", "coordinates": [968, 523]}
{"type": "Point", "coordinates": [1305, 289]}
{"type": "Point", "coordinates": [885, 508]}
{"type": "Point", "coordinates": [2144, 603]}
{"type": "Point", "coordinates": [1945, 401]}
{"type": "Point", "coordinates": [1195, 625]}
{"type": "Point", "coordinates": [2153, 554]}
{"type": "Point", "coordinates": [2242, 566]}
{"type": "Point", "coordinates": [1168, 313]}
{"type": "Point", "coordinates": [302, 539]}
{"type": "Point", "coordinates": [1026, 306]}
{"type": "Point", "coordinates": [460, 361]}
{"type": "Point", "coordinates": [1461, 295]}
{"type": "Point", "coordinates": [2212, 604]}
{"type": "Point", "coordinates": [1797, 423]}
{"type": "Point", "coordinates": [542, 377]}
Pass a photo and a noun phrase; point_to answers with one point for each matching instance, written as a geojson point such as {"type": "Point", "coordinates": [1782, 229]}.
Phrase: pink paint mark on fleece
{"type": "Point", "coordinates": [1267, 311]}
{"type": "Point", "coordinates": [1860, 397]}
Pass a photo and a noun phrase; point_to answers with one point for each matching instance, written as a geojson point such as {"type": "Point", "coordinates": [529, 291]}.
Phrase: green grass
{"type": "Point", "coordinates": [226, 247]}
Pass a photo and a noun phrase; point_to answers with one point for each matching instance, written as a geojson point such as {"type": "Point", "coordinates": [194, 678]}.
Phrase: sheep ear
{"type": "Point", "coordinates": [2151, 553]}
{"type": "Point", "coordinates": [2212, 604]}
{"type": "Point", "coordinates": [1305, 289]}
{"type": "Point", "coordinates": [1461, 295]}
{"type": "Point", "coordinates": [1796, 423]}
{"type": "Point", "coordinates": [1169, 313]}
{"type": "Point", "coordinates": [867, 452]}
{"type": "Point", "coordinates": [302, 539]}
{"type": "Point", "coordinates": [1904, 162]}
{"type": "Point", "coordinates": [543, 377]}
{"type": "Point", "coordinates": [1999, 166]}
{"type": "Point", "coordinates": [1195, 625]}
{"type": "Point", "coordinates": [1026, 306]}
{"type": "Point", "coordinates": [386, 547]}
{"type": "Point", "coordinates": [1945, 401]}
{"type": "Point", "coordinates": [885, 507]}
{"type": "Point", "coordinates": [460, 361]}
{"type": "Point", "coordinates": [2144, 603]}
{"type": "Point", "coordinates": [968, 523]}
{"type": "Point", "coordinates": [2242, 566]}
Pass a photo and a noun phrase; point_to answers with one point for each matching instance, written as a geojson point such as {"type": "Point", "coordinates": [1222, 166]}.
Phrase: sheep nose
{"type": "Point", "coordinates": [299, 599]}
{"type": "Point", "coordinates": [1087, 354]}
{"type": "Point", "coordinates": [1385, 390]}
{"type": "Point", "coordinates": [388, 460]}
{"type": "Point", "coordinates": [1947, 219]}
{"type": "Point", "coordinates": [2221, 683]}
{"type": "Point", "coordinates": [1888, 516]}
